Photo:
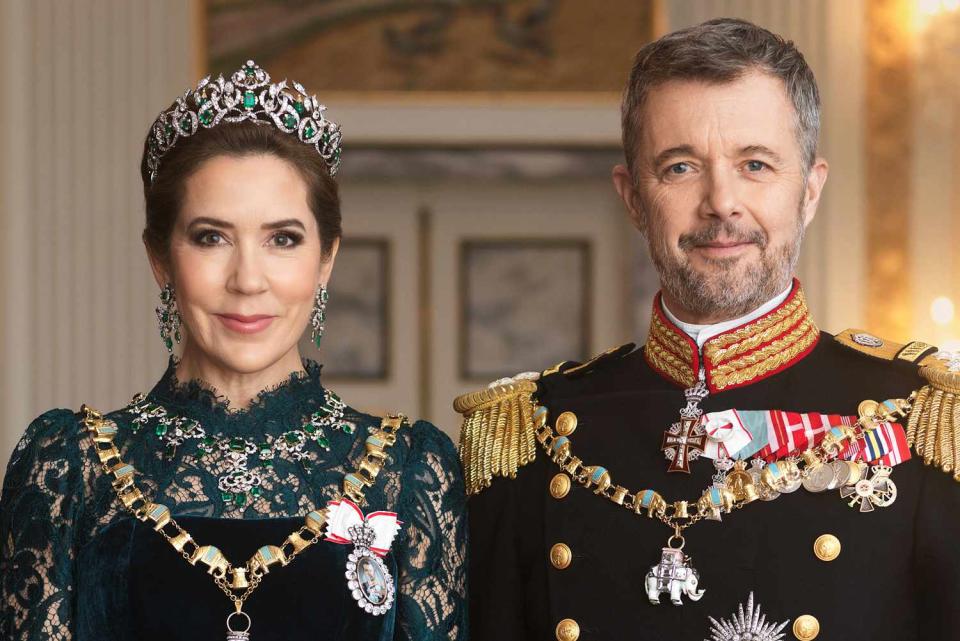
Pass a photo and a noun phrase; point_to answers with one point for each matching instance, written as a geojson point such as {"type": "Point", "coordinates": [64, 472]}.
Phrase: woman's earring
{"type": "Point", "coordinates": [319, 315]}
{"type": "Point", "coordinates": [168, 317]}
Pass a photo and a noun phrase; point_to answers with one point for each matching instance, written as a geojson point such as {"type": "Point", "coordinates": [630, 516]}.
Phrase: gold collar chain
{"type": "Point", "coordinates": [740, 486]}
{"type": "Point", "coordinates": [242, 580]}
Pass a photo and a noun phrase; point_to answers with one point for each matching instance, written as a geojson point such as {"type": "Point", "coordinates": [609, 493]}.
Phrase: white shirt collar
{"type": "Point", "coordinates": [702, 333]}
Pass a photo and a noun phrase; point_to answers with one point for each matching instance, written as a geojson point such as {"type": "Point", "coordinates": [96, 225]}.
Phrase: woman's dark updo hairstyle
{"type": "Point", "coordinates": [164, 196]}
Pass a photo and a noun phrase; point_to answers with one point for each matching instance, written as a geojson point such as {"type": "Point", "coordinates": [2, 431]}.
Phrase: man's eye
{"type": "Point", "coordinates": [756, 165]}
{"type": "Point", "coordinates": [679, 168]}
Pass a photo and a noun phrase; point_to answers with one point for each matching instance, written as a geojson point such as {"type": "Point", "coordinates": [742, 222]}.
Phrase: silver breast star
{"type": "Point", "coordinates": [746, 626]}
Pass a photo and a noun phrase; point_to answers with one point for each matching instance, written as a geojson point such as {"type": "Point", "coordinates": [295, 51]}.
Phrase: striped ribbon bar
{"type": "Point", "coordinates": [884, 445]}
{"type": "Point", "coordinates": [775, 434]}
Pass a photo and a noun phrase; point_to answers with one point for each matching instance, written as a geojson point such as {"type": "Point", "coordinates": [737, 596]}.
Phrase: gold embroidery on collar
{"type": "Point", "coordinates": [678, 370]}
{"type": "Point", "coordinates": [669, 338]}
{"type": "Point", "coordinates": [767, 359]}
{"type": "Point", "coordinates": [739, 356]}
{"type": "Point", "coordinates": [727, 346]}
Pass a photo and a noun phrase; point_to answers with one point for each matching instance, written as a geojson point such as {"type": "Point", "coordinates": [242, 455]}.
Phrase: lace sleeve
{"type": "Point", "coordinates": [433, 572]}
{"type": "Point", "coordinates": [42, 492]}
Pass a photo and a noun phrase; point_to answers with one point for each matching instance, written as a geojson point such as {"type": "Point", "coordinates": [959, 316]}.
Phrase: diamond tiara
{"type": "Point", "coordinates": [247, 95]}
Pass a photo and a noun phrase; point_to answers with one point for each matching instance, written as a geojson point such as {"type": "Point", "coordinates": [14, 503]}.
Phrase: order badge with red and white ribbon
{"type": "Point", "coordinates": [368, 578]}
{"type": "Point", "coordinates": [727, 434]}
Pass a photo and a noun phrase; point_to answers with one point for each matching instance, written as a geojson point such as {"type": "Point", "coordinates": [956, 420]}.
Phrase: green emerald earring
{"type": "Point", "coordinates": [319, 315]}
{"type": "Point", "coordinates": [168, 317]}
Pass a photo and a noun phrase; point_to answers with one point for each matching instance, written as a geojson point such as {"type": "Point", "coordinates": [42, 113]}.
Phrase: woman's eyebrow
{"type": "Point", "coordinates": [286, 222]}
{"type": "Point", "coordinates": [213, 222]}
{"type": "Point", "coordinates": [216, 222]}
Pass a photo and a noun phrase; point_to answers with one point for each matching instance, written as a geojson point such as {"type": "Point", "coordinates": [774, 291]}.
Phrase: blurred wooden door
{"type": "Point", "coordinates": [483, 279]}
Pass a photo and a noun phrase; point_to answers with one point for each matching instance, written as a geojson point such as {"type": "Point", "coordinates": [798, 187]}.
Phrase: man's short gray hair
{"type": "Point", "coordinates": [720, 51]}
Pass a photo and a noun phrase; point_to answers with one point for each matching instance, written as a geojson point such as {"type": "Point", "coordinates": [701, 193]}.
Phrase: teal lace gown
{"type": "Point", "coordinates": [77, 566]}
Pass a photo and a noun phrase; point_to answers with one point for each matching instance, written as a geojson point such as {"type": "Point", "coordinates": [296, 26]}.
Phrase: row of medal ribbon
{"type": "Point", "coordinates": [773, 434]}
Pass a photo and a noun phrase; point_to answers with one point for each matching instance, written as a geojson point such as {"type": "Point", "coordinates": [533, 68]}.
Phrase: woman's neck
{"type": "Point", "coordinates": [238, 388]}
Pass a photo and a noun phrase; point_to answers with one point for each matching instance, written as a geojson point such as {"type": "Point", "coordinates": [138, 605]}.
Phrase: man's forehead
{"type": "Point", "coordinates": [753, 110]}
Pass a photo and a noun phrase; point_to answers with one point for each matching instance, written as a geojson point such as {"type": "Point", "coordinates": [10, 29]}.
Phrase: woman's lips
{"type": "Point", "coordinates": [245, 324]}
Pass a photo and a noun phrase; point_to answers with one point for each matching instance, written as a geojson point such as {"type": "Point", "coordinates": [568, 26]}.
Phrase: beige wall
{"type": "Point", "coordinates": [82, 82]}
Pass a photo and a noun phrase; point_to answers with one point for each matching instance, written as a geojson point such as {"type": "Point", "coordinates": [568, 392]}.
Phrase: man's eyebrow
{"type": "Point", "coordinates": [762, 150]}
{"type": "Point", "coordinates": [673, 152]}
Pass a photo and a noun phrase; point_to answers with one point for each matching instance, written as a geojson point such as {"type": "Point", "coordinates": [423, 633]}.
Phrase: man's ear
{"type": "Point", "coordinates": [627, 188]}
{"type": "Point", "coordinates": [158, 266]}
{"type": "Point", "coordinates": [816, 178]}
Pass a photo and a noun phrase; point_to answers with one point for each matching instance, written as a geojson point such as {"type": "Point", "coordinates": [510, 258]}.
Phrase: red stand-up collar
{"type": "Point", "coordinates": [739, 356]}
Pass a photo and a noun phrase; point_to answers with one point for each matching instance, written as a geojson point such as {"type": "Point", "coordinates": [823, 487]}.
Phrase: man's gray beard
{"type": "Point", "coordinates": [725, 291]}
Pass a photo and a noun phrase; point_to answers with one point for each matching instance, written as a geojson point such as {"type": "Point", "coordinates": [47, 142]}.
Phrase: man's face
{"type": "Point", "coordinates": [720, 193]}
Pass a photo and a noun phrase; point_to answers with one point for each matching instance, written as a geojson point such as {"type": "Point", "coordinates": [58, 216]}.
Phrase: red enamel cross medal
{"type": "Point", "coordinates": [685, 440]}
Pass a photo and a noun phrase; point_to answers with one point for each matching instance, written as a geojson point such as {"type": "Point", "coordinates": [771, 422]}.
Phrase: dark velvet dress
{"type": "Point", "coordinates": [76, 565]}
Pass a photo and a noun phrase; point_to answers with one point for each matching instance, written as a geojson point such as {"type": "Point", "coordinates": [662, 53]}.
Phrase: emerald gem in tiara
{"type": "Point", "coordinates": [247, 95]}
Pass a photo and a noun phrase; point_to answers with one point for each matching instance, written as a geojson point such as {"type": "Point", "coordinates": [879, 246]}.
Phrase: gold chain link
{"type": "Point", "coordinates": [248, 578]}
{"type": "Point", "coordinates": [680, 515]}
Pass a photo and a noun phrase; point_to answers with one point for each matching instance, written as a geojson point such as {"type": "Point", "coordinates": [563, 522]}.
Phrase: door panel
{"type": "Point", "coordinates": [528, 274]}
{"type": "Point", "coordinates": [483, 279]}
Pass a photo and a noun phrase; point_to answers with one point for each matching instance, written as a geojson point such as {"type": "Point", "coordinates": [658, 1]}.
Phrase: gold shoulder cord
{"type": "Point", "coordinates": [238, 583]}
{"type": "Point", "coordinates": [497, 436]}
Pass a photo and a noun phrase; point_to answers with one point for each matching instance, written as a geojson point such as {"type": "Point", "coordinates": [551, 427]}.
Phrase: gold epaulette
{"type": "Point", "coordinates": [933, 427]}
{"type": "Point", "coordinates": [497, 437]}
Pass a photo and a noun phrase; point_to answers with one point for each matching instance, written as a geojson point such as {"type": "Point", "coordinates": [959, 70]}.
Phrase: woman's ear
{"type": "Point", "coordinates": [158, 266]}
{"type": "Point", "coordinates": [326, 264]}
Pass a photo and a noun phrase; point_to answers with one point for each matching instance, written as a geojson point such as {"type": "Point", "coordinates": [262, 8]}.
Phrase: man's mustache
{"type": "Point", "coordinates": [729, 231]}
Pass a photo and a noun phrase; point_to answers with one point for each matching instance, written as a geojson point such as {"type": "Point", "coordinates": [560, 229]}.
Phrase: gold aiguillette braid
{"type": "Point", "coordinates": [933, 429]}
{"type": "Point", "coordinates": [497, 436]}
{"type": "Point", "coordinates": [238, 583]}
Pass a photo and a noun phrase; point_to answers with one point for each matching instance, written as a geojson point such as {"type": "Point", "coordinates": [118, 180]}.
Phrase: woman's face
{"type": "Point", "coordinates": [245, 261]}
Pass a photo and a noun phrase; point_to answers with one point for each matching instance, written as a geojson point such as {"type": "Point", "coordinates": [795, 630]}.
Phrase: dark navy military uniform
{"type": "Point", "coordinates": [551, 559]}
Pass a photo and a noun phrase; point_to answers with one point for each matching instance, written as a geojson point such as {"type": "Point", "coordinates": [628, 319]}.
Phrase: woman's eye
{"type": "Point", "coordinates": [209, 238]}
{"type": "Point", "coordinates": [679, 168]}
{"type": "Point", "coordinates": [287, 239]}
{"type": "Point", "coordinates": [756, 165]}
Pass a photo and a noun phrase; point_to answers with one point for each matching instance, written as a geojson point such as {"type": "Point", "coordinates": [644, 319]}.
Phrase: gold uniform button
{"type": "Point", "coordinates": [568, 630]}
{"type": "Point", "coordinates": [806, 627]}
{"type": "Point", "coordinates": [566, 423]}
{"type": "Point", "coordinates": [561, 556]}
{"type": "Point", "coordinates": [827, 547]}
{"type": "Point", "coordinates": [559, 486]}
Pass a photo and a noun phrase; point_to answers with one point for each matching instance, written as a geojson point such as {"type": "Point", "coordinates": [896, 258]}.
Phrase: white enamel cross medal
{"type": "Point", "coordinates": [368, 578]}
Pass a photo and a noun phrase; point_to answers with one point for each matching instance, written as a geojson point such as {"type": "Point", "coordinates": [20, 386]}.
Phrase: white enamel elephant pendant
{"type": "Point", "coordinates": [675, 576]}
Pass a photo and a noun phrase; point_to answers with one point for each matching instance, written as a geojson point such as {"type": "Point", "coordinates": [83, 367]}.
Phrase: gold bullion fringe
{"type": "Point", "coordinates": [498, 432]}
{"type": "Point", "coordinates": [933, 429]}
